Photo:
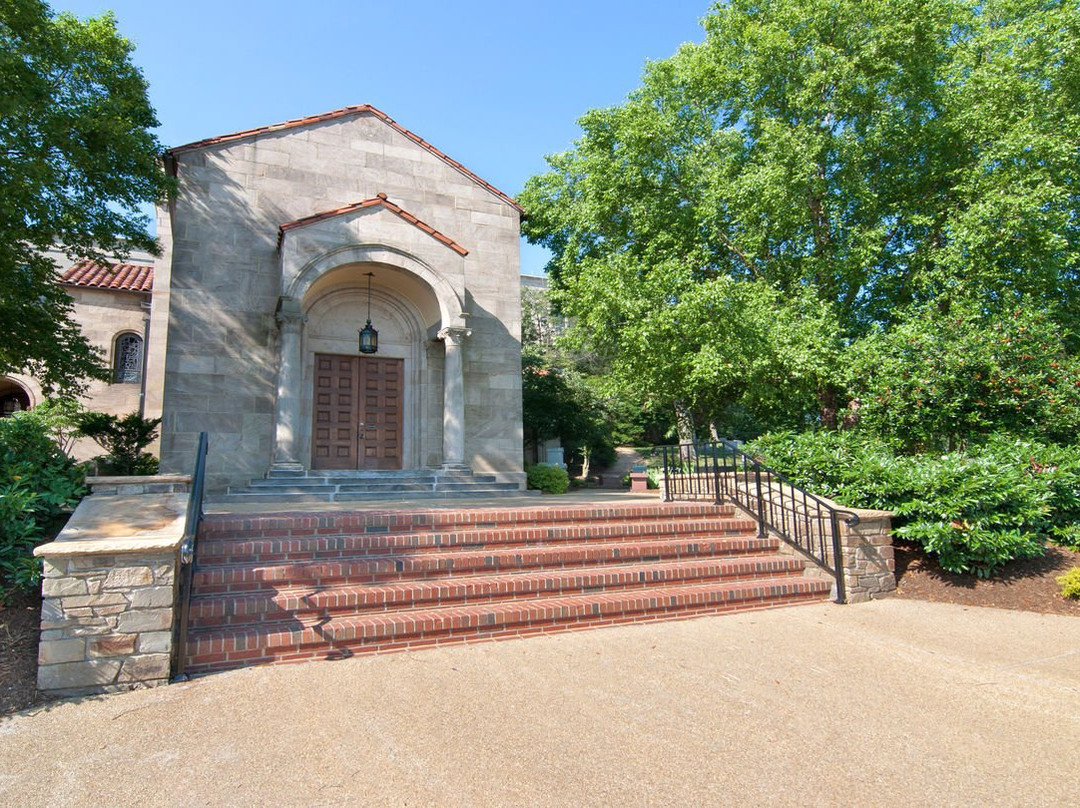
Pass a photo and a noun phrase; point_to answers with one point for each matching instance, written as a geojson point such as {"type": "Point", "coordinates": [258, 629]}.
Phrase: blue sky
{"type": "Point", "coordinates": [495, 84]}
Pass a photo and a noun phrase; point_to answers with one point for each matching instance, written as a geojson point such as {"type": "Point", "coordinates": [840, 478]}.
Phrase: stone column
{"type": "Point", "coordinates": [290, 322]}
{"type": "Point", "coordinates": [453, 397]}
{"type": "Point", "coordinates": [869, 563]}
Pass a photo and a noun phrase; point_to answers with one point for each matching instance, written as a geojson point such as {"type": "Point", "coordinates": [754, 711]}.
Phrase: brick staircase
{"type": "Point", "coordinates": [297, 586]}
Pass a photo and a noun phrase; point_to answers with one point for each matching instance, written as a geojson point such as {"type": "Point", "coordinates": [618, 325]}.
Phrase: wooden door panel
{"type": "Point", "coordinates": [381, 418]}
{"type": "Point", "coordinates": [357, 413]}
{"type": "Point", "coordinates": [336, 420]}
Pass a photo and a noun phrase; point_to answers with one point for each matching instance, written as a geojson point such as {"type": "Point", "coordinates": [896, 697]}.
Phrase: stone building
{"type": "Point", "coordinates": [282, 242]}
{"type": "Point", "coordinates": [112, 305]}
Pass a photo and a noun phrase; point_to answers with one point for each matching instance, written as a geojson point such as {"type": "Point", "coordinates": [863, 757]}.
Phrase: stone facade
{"type": "Point", "coordinates": [267, 247]}
{"type": "Point", "coordinates": [869, 561]}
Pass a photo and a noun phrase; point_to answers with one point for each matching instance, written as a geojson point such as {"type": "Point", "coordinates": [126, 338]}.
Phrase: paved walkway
{"type": "Point", "coordinates": [887, 703]}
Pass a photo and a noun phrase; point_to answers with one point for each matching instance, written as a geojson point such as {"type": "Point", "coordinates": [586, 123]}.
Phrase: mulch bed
{"type": "Point", "coordinates": [20, 620]}
{"type": "Point", "coordinates": [1027, 585]}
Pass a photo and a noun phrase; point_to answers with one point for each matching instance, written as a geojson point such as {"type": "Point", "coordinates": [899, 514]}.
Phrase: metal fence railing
{"type": "Point", "coordinates": [719, 471]}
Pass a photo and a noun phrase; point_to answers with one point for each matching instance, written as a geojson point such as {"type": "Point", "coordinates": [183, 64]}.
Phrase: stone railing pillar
{"type": "Point", "coordinates": [868, 562]}
{"type": "Point", "coordinates": [110, 588]}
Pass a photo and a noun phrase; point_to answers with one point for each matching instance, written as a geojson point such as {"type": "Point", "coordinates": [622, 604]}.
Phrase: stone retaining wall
{"type": "Point", "coordinates": [110, 588]}
{"type": "Point", "coordinates": [106, 622]}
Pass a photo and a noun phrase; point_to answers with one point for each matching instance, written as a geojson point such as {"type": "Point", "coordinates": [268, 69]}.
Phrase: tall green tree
{"type": "Point", "coordinates": [874, 155]}
{"type": "Point", "coordinates": [77, 159]}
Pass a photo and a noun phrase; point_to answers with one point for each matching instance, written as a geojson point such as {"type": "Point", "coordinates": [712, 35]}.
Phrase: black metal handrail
{"type": "Point", "coordinates": [720, 470]}
{"type": "Point", "coordinates": [187, 557]}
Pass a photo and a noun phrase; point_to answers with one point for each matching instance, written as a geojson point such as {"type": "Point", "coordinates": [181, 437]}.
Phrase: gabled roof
{"type": "Point", "coordinates": [117, 277]}
{"type": "Point", "coordinates": [362, 109]}
{"type": "Point", "coordinates": [378, 199]}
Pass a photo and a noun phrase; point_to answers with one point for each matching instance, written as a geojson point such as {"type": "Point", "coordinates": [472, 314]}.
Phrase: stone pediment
{"type": "Point", "coordinates": [379, 200]}
{"type": "Point", "coordinates": [361, 110]}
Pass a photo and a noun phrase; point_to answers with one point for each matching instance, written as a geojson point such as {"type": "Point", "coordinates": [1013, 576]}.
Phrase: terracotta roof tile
{"type": "Point", "coordinates": [378, 199]}
{"type": "Point", "coordinates": [361, 109]}
{"type": "Point", "coordinates": [119, 277]}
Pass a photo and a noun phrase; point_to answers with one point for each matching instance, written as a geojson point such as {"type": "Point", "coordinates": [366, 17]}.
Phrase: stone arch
{"type": "Point", "coordinates": [17, 387]}
{"type": "Point", "coordinates": [450, 303]}
{"type": "Point", "coordinates": [332, 310]}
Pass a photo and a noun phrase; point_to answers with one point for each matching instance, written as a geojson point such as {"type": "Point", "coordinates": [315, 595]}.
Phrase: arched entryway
{"type": "Point", "coordinates": [370, 412]}
{"type": "Point", "coordinates": [14, 397]}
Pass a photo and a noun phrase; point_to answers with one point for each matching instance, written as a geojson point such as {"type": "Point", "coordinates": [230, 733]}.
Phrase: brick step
{"type": "Point", "coordinates": [322, 638]}
{"type": "Point", "coordinates": [300, 523]}
{"type": "Point", "coordinates": [243, 550]}
{"type": "Point", "coordinates": [399, 566]}
{"type": "Point", "coordinates": [301, 601]}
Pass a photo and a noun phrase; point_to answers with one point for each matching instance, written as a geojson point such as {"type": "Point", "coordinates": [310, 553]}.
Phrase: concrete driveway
{"type": "Point", "coordinates": [887, 703]}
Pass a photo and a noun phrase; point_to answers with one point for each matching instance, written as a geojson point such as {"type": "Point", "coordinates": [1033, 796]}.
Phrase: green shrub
{"type": "Point", "coordinates": [974, 510]}
{"type": "Point", "coordinates": [938, 380]}
{"type": "Point", "coordinates": [1070, 583]}
{"type": "Point", "coordinates": [38, 483]}
{"type": "Point", "coordinates": [549, 479]}
{"type": "Point", "coordinates": [124, 438]}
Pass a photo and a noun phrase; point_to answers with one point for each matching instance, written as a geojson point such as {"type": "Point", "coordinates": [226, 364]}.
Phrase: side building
{"type": "Point", "coordinates": [112, 306]}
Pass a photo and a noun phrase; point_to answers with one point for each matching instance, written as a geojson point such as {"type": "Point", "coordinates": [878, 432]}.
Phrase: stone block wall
{"type": "Point", "coordinates": [106, 622]}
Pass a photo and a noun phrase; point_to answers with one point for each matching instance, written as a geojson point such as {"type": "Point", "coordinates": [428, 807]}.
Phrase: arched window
{"type": "Point", "coordinates": [127, 359]}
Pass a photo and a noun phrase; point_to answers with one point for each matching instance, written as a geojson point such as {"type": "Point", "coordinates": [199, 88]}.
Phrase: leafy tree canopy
{"type": "Point", "coordinates": [872, 155]}
{"type": "Point", "coordinates": [941, 381]}
{"type": "Point", "coordinates": [77, 159]}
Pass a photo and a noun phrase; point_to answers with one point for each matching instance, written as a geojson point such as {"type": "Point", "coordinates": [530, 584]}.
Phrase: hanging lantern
{"type": "Point", "coordinates": [369, 337]}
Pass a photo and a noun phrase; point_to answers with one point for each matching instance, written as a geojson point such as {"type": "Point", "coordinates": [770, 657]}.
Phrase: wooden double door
{"type": "Point", "coordinates": [357, 405]}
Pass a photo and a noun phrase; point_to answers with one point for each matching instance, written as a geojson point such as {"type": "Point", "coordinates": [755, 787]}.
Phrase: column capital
{"type": "Point", "coordinates": [454, 335]}
{"type": "Point", "coordinates": [289, 315]}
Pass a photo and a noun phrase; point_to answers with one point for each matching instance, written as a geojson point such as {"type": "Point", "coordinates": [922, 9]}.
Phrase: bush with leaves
{"type": "Point", "coordinates": [974, 510]}
{"type": "Point", "coordinates": [38, 483]}
{"type": "Point", "coordinates": [124, 438]}
{"type": "Point", "coordinates": [549, 479]}
{"type": "Point", "coordinates": [1070, 583]}
{"type": "Point", "coordinates": [938, 381]}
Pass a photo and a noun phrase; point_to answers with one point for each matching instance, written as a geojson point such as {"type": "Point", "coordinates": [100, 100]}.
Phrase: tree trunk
{"type": "Point", "coordinates": [827, 405]}
{"type": "Point", "coordinates": [684, 425]}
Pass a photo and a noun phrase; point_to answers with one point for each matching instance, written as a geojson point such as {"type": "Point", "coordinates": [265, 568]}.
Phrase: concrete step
{"type": "Point", "coordinates": [479, 492]}
{"type": "Point", "coordinates": [475, 485]}
{"type": "Point", "coordinates": [343, 636]}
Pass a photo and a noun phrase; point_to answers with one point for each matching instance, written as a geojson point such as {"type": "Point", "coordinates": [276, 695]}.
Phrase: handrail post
{"type": "Point", "coordinates": [716, 472]}
{"type": "Point", "coordinates": [667, 477]}
{"type": "Point", "coordinates": [838, 559]}
{"type": "Point", "coordinates": [760, 502]}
